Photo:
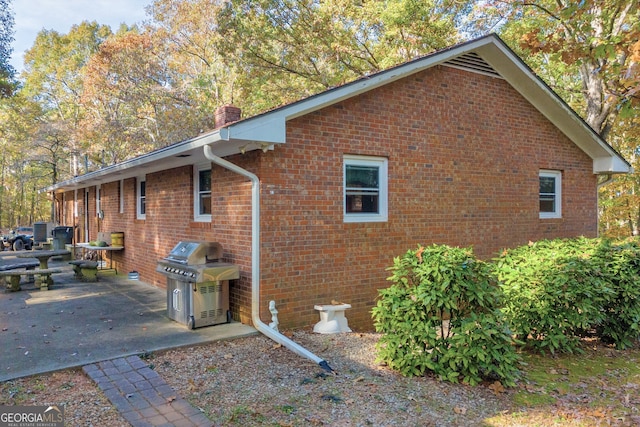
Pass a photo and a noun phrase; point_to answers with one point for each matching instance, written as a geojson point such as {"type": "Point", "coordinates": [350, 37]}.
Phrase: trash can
{"type": "Point", "coordinates": [58, 242]}
{"type": "Point", "coordinates": [62, 235]}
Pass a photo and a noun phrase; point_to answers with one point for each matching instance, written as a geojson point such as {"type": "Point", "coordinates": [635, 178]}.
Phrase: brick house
{"type": "Point", "coordinates": [465, 146]}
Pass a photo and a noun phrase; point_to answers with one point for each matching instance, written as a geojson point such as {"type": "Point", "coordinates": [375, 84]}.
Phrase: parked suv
{"type": "Point", "coordinates": [21, 238]}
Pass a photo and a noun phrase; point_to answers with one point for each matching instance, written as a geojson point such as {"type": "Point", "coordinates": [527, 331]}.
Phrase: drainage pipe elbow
{"type": "Point", "coordinates": [255, 262]}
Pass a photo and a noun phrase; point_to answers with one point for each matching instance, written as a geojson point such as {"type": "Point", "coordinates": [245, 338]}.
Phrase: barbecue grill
{"type": "Point", "coordinates": [197, 284]}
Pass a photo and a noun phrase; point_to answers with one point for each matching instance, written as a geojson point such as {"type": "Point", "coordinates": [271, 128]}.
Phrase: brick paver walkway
{"type": "Point", "coordinates": [141, 395]}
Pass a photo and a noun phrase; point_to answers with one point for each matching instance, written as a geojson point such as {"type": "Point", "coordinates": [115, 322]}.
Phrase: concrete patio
{"type": "Point", "coordinates": [75, 324]}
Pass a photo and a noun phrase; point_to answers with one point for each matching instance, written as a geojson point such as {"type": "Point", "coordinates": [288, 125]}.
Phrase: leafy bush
{"type": "Point", "coordinates": [442, 315]}
{"type": "Point", "coordinates": [621, 325]}
{"type": "Point", "coordinates": [555, 291]}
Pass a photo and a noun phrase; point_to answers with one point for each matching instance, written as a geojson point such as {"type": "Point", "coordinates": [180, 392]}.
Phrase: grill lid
{"type": "Point", "coordinates": [195, 253]}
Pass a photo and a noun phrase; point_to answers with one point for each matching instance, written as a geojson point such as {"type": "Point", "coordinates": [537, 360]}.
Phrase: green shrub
{"type": "Point", "coordinates": [441, 315]}
{"type": "Point", "coordinates": [621, 325]}
{"type": "Point", "coordinates": [554, 291]}
{"type": "Point", "coordinates": [557, 290]}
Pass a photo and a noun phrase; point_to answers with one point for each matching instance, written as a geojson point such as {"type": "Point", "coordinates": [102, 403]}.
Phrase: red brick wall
{"type": "Point", "coordinates": [464, 153]}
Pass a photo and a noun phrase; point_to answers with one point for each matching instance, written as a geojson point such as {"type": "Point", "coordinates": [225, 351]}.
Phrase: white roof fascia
{"type": "Point", "coordinates": [264, 130]}
{"type": "Point", "coordinates": [140, 165]}
{"type": "Point", "coordinates": [493, 50]}
{"type": "Point", "coordinates": [611, 164]}
{"type": "Point", "coordinates": [313, 103]}
{"type": "Point", "coordinates": [519, 76]}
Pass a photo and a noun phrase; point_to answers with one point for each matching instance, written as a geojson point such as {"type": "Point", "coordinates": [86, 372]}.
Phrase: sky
{"type": "Point", "coordinates": [32, 16]}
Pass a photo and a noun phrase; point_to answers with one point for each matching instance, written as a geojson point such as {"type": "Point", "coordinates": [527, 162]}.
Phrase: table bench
{"type": "Point", "coordinates": [44, 276]}
{"type": "Point", "coordinates": [19, 264]}
{"type": "Point", "coordinates": [85, 270]}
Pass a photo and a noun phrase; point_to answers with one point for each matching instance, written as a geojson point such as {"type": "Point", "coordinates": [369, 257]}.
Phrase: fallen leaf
{"type": "Point", "coordinates": [358, 379]}
{"type": "Point", "coordinates": [497, 388]}
{"type": "Point", "coordinates": [460, 410]}
{"type": "Point", "coordinates": [228, 356]}
{"type": "Point", "coordinates": [597, 413]}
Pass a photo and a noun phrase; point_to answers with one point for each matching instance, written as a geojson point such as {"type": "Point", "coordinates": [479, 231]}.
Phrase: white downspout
{"type": "Point", "coordinates": [255, 262]}
{"type": "Point", "coordinates": [607, 179]}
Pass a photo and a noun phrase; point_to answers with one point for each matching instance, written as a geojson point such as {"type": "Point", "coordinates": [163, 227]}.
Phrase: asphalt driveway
{"type": "Point", "coordinates": [76, 323]}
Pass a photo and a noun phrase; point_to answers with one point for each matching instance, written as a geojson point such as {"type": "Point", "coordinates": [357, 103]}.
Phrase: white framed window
{"type": "Point", "coordinates": [365, 189]}
{"type": "Point", "coordinates": [550, 194]}
{"type": "Point", "coordinates": [141, 197]}
{"type": "Point", "coordinates": [202, 193]}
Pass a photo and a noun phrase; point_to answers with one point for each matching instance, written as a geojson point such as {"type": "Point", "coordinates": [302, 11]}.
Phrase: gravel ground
{"type": "Point", "coordinates": [254, 381]}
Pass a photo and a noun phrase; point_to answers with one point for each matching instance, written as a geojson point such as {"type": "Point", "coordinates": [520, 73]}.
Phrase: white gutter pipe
{"type": "Point", "coordinates": [608, 178]}
{"type": "Point", "coordinates": [255, 262]}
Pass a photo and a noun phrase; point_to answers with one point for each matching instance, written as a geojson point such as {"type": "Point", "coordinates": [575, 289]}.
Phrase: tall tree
{"type": "Point", "coordinates": [53, 78]}
{"type": "Point", "coordinates": [594, 40]}
{"type": "Point", "coordinates": [285, 49]}
{"type": "Point", "coordinates": [21, 171]}
{"type": "Point", "coordinates": [133, 104]}
{"type": "Point", "coordinates": [7, 83]}
{"type": "Point", "coordinates": [189, 32]}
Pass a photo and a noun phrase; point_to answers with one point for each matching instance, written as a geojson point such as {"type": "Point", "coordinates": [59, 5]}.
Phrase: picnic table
{"type": "Point", "coordinates": [44, 256]}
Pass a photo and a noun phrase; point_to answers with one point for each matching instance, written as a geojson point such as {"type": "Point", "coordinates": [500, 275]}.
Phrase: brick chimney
{"type": "Point", "coordinates": [226, 114]}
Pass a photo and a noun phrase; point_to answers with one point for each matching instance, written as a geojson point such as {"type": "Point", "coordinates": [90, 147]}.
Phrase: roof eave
{"type": "Point", "coordinates": [605, 158]}
{"type": "Point", "coordinates": [224, 141]}
{"type": "Point", "coordinates": [265, 130]}
{"type": "Point", "coordinates": [492, 49]}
